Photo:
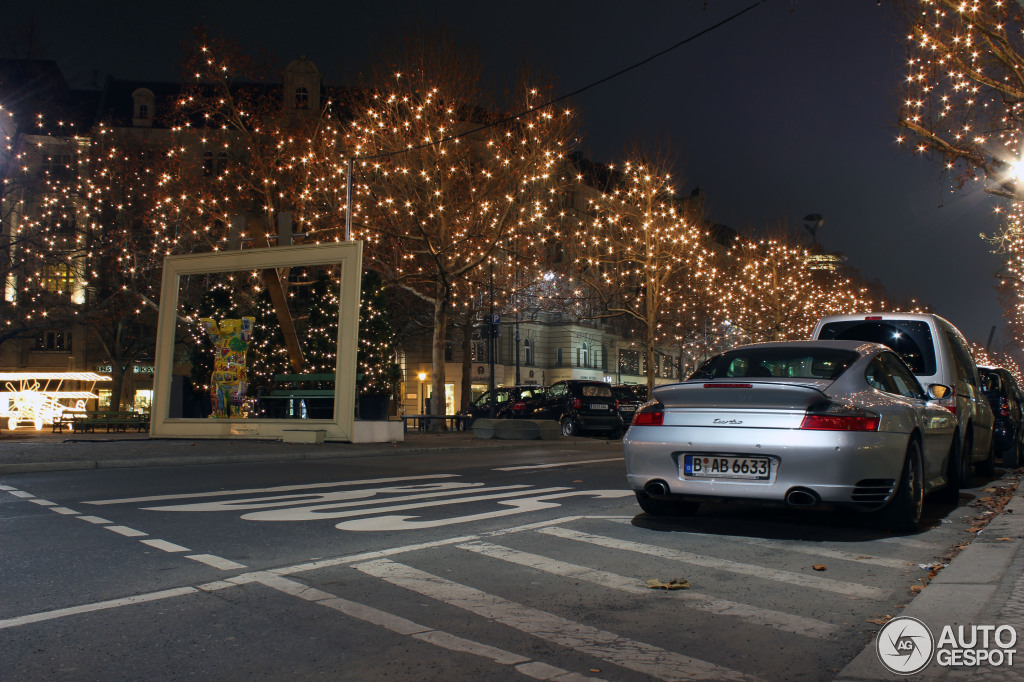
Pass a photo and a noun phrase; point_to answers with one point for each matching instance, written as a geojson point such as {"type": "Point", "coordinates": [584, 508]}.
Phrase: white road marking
{"type": "Point", "coordinates": [275, 489]}
{"type": "Point", "coordinates": [639, 656]}
{"type": "Point", "coordinates": [64, 510]}
{"type": "Point", "coordinates": [20, 493]}
{"type": "Point", "coordinates": [396, 522]}
{"type": "Point", "coordinates": [909, 543]}
{"type": "Point", "coordinates": [42, 502]}
{"type": "Point", "coordinates": [763, 572]}
{"type": "Point", "coordinates": [165, 546]}
{"type": "Point", "coordinates": [126, 531]}
{"type": "Point", "coordinates": [94, 519]}
{"type": "Point", "coordinates": [767, 617]}
{"type": "Point", "coordinates": [215, 561]}
{"type": "Point", "coordinates": [98, 606]}
{"type": "Point", "coordinates": [559, 464]}
{"type": "Point", "coordinates": [7, 488]}
{"type": "Point", "coordinates": [404, 626]}
{"type": "Point", "coordinates": [311, 506]}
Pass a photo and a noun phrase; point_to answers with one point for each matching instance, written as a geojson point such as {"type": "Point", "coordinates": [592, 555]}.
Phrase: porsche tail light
{"type": "Point", "coordinates": [838, 418]}
{"type": "Point", "coordinates": [519, 406]}
{"type": "Point", "coordinates": [651, 414]}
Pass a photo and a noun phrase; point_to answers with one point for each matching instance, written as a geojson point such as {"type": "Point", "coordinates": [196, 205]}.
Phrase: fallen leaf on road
{"type": "Point", "coordinates": [676, 584]}
{"type": "Point", "coordinates": [1004, 539]}
{"type": "Point", "coordinates": [861, 557]}
{"type": "Point", "coordinates": [916, 588]}
{"type": "Point", "coordinates": [819, 567]}
{"type": "Point", "coordinates": [879, 621]}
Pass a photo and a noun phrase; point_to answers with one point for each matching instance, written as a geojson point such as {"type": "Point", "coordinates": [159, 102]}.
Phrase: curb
{"type": "Point", "coordinates": [385, 450]}
{"type": "Point", "coordinates": [961, 594]}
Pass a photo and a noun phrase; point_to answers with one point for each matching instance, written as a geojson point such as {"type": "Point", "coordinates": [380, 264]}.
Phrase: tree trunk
{"type": "Point", "coordinates": [437, 403]}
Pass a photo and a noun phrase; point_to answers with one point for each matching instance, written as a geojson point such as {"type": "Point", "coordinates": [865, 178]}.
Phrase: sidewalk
{"type": "Point", "coordinates": [27, 451]}
{"type": "Point", "coordinates": [983, 585]}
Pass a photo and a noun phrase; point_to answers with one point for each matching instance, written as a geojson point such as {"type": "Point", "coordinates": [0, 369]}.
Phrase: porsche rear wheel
{"type": "Point", "coordinates": [903, 513]}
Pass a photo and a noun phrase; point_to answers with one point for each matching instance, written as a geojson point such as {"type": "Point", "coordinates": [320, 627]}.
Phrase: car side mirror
{"type": "Point", "coordinates": [938, 391]}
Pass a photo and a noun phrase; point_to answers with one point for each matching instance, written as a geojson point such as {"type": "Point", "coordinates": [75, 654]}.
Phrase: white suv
{"type": "Point", "coordinates": [937, 353]}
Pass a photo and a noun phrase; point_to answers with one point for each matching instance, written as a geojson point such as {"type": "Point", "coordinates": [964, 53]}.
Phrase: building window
{"type": "Point", "coordinates": [629, 362]}
{"type": "Point", "coordinates": [59, 166]}
{"type": "Point", "coordinates": [558, 358]}
{"type": "Point", "coordinates": [604, 357]}
{"type": "Point", "coordinates": [479, 351]}
{"type": "Point", "coordinates": [528, 351]}
{"type": "Point", "coordinates": [583, 355]}
{"type": "Point", "coordinates": [143, 111]}
{"type": "Point", "coordinates": [449, 352]}
{"type": "Point", "coordinates": [54, 340]}
{"type": "Point", "coordinates": [207, 164]}
{"type": "Point", "coordinates": [301, 98]}
{"type": "Point", "coordinates": [56, 278]}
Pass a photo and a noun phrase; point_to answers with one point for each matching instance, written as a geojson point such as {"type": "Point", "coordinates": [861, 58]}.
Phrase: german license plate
{"type": "Point", "coordinates": [726, 466]}
{"type": "Point", "coordinates": [598, 406]}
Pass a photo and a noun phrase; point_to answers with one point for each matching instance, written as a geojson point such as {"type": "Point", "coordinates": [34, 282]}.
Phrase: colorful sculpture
{"type": "Point", "coordinates": [228, 382]}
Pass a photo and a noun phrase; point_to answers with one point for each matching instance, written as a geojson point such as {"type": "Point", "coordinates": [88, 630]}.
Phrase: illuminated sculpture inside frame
{"type": "Point", "coordinates": [228, 383]}
{"type": "Point", "coordinates": [37, 398]}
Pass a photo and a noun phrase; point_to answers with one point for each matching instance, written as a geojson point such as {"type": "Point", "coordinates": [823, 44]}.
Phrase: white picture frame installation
{"type": "Point", "coordinates": [348, 255]}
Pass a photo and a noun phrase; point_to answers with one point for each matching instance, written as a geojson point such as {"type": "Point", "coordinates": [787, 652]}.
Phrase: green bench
{"type": "Point", "coordinates": [84, 421]}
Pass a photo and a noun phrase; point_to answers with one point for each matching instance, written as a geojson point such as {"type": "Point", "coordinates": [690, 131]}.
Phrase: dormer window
{"type": "Point", "coordinates": [301, 98]}
{"type": "Point", "coordinates": [142, 108]}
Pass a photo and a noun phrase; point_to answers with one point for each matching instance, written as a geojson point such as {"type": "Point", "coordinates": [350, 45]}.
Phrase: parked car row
{"type": "Point", "coordinates": [875, 412]}
{"type": "Point", "coordinates": [580, 406]}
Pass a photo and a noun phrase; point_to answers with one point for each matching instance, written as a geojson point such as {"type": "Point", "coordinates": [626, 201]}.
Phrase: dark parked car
{"type": "Point", "coordinates": [1004, 396]}
{"type": "Point", "coordinates": [510, 402]}
{"type": "Point", "coordinates": [581, 407]}
{"type": "Point", "coordinates": [630, 397]}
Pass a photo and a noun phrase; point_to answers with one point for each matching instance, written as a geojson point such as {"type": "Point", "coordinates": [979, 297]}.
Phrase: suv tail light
{"type": "Point", "coordinates": [1004, 407]}
{"type": "Point", "coordinates": [616, 405]}
{"type": "Point", "coordinates": [651, 414]}
{"type": "Point", "coordinates": [839, 418]}
{"type": "Point", "coordinates": [577, 403]}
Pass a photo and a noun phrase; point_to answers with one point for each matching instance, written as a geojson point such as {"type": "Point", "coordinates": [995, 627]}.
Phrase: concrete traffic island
{"type": "Point", "coordinates": [517, 429]}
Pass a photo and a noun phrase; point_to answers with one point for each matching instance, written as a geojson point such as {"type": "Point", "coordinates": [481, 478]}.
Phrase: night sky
{"type": "Point", "coordinates": [786, 111]}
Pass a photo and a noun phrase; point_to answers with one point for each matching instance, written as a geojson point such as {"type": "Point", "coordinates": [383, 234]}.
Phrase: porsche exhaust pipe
{"type": "Point", "coordinates": [802, 497]}
{"type": "Point", "coordinates": [657, 489]}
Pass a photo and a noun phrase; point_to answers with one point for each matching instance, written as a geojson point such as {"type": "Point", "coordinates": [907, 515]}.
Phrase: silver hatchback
{"type": "Point", "coordinates": [802, 423]}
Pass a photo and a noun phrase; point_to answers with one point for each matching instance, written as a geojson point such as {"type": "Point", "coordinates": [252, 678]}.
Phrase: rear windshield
{"type": "Point", "coordinates": [625, 393]}
{"type": "Point", "coordinates": [910, 339]}
{"type": "Point", "coordinates": [802, 363]}
{"type": "Point", "coordinates": [596, 391]}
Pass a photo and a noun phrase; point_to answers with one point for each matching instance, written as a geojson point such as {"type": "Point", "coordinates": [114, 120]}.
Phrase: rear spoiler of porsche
{"type": "Point", "coordinates": [741, 394]}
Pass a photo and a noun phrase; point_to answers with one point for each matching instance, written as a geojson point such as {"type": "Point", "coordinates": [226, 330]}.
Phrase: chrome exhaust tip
{"type": "Point", "coordinates": [802, 497]}
{"type": "Point", "coordinates": [657, 489]}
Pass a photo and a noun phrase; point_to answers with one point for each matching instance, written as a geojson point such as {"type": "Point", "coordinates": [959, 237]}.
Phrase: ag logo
{"type": "Point", "coordinates": [905, 645]}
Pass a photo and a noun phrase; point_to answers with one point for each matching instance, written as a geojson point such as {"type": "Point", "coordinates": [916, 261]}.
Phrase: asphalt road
{"type": "Point", "coordinates": [478, 564]}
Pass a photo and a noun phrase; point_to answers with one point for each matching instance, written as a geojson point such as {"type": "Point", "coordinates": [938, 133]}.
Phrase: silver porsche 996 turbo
{"type": "Point", "coordinates": [802, 423]}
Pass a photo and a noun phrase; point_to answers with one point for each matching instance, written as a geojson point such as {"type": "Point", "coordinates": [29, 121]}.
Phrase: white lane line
{"type": "Point", "coordinates": [94, 519]}
{"type": "Point", "coordinates": [919, 544]}
{"type": "Point", "coordinates": [215, 561]}
{"type": "Point", "coordinates": [559, 464]}
{"type": "Point", "coordinates": [126, 531]}
{"type": "Point", "coordinates": [380, 554]}
{"type": "Point", "coordinates": [42, 502]}
{"type": "Point", "coordinates": [7, 488]}
{"type": "Point", "coordinates": [20, 493]}
{"type": "Point", "coordinates": [64, 510]}
{"type": "Point", "coordinates": [763, 572]}
{"type": "Point", "coordinates": [766, 617]}
{"type": "Point", "coordinates": [608, 646]}
{"type": "Point", "coordinates": [165, 546]}
{"type": "Point", "coordinates": [276, 489]}
{"type": "Point", "coordinates": [404, 626]}
{"type": "Point", "coordinates": [98, 606]}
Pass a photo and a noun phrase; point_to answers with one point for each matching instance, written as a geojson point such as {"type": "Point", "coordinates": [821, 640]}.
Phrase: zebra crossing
{"type": "Point", "coordinates": [766, 637]}
{"type": "Point", "coordinates": [567, 598]}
